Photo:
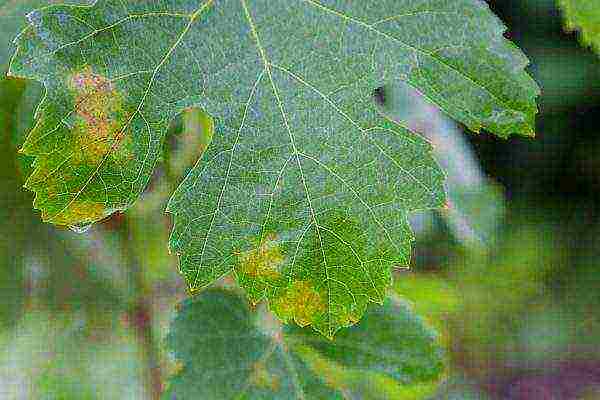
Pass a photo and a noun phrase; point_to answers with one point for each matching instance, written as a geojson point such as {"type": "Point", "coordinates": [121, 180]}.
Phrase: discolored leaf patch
{"type": "Point", "coordinates": [301, 303]}
{"type": "Point", "coordinates": [99, 126]}
{"type": "Point", "coordinates": [264, 261]}
{"type": "Point", "coordinates": [74, 179]}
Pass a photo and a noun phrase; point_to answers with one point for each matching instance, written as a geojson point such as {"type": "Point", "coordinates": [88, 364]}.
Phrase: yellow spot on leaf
{"type": "Point", "coordinates": [264, 260]}
{"type": "Point", "coordinates": [81, 212]}
{"type": "Point", "coordinates": [301, 302]}
{"type": "Point", "coordinates": [347, 318]}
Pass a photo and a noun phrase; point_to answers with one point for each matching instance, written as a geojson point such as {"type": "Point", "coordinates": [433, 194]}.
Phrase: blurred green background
{"type": "Point", "coordinates": [83, 315]}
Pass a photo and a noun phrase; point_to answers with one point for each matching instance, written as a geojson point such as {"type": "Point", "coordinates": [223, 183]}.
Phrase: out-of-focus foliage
{"type": "Point", "coordinates": [475, 205]}
{"type": "Point", "coordinates": [14, 218]}
{"type": "Point", "coordinates": [227, 351]}
{"type": "Point", "coordinates": [495, 289]}
{"type": "Point", "coordinates": [53, 356]}
{"type": "Point", "coordinates": [583, 16]}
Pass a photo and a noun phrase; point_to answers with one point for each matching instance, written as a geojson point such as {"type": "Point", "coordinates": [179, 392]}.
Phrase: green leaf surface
{"type": "Point", "coordinates": [226, 352]}
{"type": "Point", "coordinates": [305, 188]}
{"type": "Point", "coordinates": [13, 20]}
{"type": "Point", "coordinates": [583, 16]}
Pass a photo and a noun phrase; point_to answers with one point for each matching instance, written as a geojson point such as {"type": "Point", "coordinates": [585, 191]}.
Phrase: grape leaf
{"type": "Point", "coordinates": [583, 16]}
{"type": "Point", "coordinates": [306, 186]}
{"type": "Point", "coordinates": [225, 351]}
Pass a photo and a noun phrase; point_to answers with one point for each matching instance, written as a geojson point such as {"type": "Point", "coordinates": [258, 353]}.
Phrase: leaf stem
{"type": "Point", "coordinates": [140, 313]}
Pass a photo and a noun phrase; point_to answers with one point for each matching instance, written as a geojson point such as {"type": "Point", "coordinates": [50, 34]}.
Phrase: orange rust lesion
{"type": "Point", "coordinates": [264, 261]}
{"type": "Point", "coordinates": [300, 302]}
{"type": "Point", "coordinates": [100, 117]}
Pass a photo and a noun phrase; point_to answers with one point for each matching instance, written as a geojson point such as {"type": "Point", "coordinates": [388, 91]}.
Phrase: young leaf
{"type": "Point", "coordinates": [305, 188]}
{"type": "Point", "coordinates": [584, 16]}
{"type": "Point", "coordinates": [225, 351]}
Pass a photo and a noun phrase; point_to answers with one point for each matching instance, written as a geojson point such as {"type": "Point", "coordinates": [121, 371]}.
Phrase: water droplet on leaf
{"type": "Point", "coordinates": [80, 228]}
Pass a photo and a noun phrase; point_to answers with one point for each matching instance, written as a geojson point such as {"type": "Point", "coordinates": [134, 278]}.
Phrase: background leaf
{"type": "Point", "coordinates": [475, 207]}
{"type": "Point", "coordinates": [13, 212]}
{"type": "Point", "coordinates": [226, 351]}
{"type": "Point", "coordinates": [583, 16]}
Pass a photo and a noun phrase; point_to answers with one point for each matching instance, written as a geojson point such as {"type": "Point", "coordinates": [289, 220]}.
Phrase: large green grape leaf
{"type": "Point", "coordinates": [305, 188]}
{"type": "Point", "coordinates": [225, 351]}
{"type": "Point", "coordinates": [584, 16]}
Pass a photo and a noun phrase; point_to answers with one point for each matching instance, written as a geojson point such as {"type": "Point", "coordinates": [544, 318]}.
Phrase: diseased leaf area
{"type": "Point", "coordinates": [225, 351]}
{"type": "Point", "coordinates": [305, 189]}
{"type": "Point", "coordinates": [583, 16]}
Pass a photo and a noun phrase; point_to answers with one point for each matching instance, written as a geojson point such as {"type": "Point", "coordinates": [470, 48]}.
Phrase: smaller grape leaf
{"type": "Point", "coordinates": [583, 16]}
{"type": "Point", "coordinates": [226, 351]}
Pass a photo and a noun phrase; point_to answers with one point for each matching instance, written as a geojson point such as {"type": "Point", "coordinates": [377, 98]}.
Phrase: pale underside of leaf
{"type": "Point", "coordinates": [305, 188]}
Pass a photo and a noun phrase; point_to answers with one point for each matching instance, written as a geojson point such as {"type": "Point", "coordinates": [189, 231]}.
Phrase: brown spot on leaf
{"type": "Point", "coordinates": [99, 126]}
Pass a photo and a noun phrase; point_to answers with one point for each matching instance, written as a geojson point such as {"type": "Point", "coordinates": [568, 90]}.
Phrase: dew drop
{"type": "Point", "coordinates": [80, 228]}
